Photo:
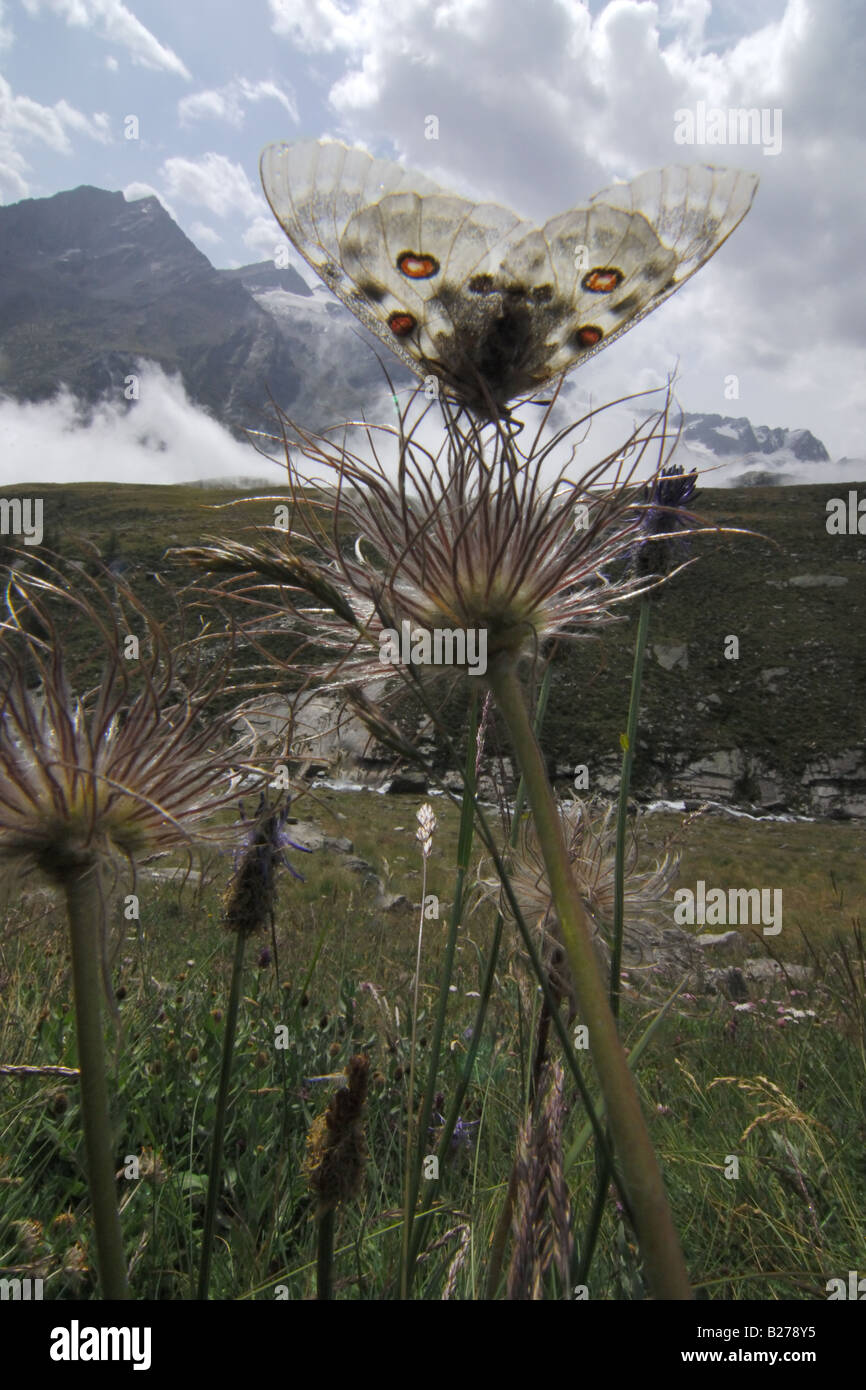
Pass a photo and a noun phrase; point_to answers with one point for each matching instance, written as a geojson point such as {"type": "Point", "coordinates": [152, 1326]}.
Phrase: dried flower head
{"type": "Point", "coordinates": [444, 552]}
{"type": "Point", "coordinates": [112, 771]}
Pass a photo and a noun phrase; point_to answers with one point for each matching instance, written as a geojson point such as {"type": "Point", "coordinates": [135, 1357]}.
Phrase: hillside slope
{"type": "Point", "coordinates": [783, 726]}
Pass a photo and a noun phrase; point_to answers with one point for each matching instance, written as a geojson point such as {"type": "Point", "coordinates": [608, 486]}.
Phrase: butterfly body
{"type": "Point", "coordinates": [471, 294]}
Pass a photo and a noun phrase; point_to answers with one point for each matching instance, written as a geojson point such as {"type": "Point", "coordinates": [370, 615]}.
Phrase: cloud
{"type": "Point", "coordinates": [229, 103]}
{"type": "Point", "coordinates": [112, 21]}
{"type": "Point", "coordinates": [593, 95]}
{"type": "Point", "coordinates": [23, 121]}
{"type": "Point", "coordinates": [28, 119]}
{"type": "Point", "coordinates": [162, 438]}
{"type": "Point", "coordinates": [266, 241]}
{"type": "Point", "coordinates": [200, 231]}
{"type": "Point", "coordinates": [321, 26]}
{"type": "Point", "coordinates": [212, 181]}
{"type": "Point", "coordinates": [97, 126]}
{"type": "Point", "coordinates": [688, 18]}
{"type": "Point", "coordinates": [136, 190]}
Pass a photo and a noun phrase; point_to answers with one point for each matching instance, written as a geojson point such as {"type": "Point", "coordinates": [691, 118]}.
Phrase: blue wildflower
{"type": "Point", "coordinates": [663, 517]}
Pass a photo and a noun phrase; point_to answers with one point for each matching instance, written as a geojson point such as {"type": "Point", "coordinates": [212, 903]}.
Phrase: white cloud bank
{"type": "Point", "coordinates": [165, 438]}
{"type": "Point", "coordinates": [162, 438]}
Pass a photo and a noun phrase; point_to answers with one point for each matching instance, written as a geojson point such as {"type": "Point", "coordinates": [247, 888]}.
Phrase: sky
{"type": "Point", "coordinates": [537, 105]}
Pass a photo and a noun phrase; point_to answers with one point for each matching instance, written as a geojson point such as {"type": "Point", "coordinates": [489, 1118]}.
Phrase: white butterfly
{"type": "Point", "coordinates": [470, 293]}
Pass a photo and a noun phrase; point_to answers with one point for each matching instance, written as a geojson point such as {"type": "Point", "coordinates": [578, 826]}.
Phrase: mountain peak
{"type": "Point", "coordinates": [726, 435]}
{"type": "Point", "coordinates": [91, 284]}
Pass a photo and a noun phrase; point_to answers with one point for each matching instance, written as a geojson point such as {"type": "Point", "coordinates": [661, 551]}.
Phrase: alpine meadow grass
{"type": "Point", "coordinates": [421, 1070]}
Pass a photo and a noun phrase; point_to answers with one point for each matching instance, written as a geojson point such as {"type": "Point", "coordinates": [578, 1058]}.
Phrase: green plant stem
{"type": "Point", "coordinates": [464, 847]}
{"type": "Point", "coordinates": [470, 809]}
{"type": "Point", "coordinates": [453, 1113]}
{"type": "Point", "coordinates": [602, 1164]}
{"type": "Point", "coordinates": [324, 1254]}
{"type": "Point", "coordinates": [663, 1257]}
{"type": "Point", "coordinates": [410, 1190]}
{"type": "Point", "coordinates": [86, 923]}
{"type": "Point", "coordinates": [622, 809]}
{"type": "Point", "coordinates": [216, 1161]}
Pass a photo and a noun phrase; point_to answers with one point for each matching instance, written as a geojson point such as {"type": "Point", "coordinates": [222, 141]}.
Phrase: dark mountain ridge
{"type": "Point", "coordinates": [90, 284]}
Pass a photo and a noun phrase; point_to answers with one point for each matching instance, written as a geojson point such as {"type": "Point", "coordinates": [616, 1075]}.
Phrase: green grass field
{"type": "Point", "coordinates": [754, 1107]}
{"type": "Point", "coordinates": [784, 1100]}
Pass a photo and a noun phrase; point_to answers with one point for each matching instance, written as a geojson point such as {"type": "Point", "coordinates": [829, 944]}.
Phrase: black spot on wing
{"type": "Point", "coordinates": [372, 291]}
{"type": "Point", "coordinates": [629, 305]}
{"type": "Point", "coordinates": [481, 284]}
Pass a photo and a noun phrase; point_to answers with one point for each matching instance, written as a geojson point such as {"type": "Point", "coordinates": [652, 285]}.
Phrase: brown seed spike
{"type": "Point", "coordinates": [417, 266]}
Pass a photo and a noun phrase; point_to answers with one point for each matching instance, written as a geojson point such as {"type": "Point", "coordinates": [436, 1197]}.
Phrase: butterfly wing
{"type": "Point", "coordinates": [614, 261]}
{"type": "Point", "coordinates": [491, 305]}
{"type": "Point", "coordinates": [418, 259]}
{"type": "Point", "coordinates": [396, 249]}
{"type": "Point", "coordinates": [314, 189]}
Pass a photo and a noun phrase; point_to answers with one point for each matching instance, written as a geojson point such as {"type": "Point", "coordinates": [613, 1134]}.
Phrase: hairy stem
{"type": "Point", "coordinates": [410, 1189]}
{"type": "Point", "coordinates": [86, 923]}
{"type": "Point", "coordinates": [660, 1246]}
{"type": "Point", "coordinates": [603, 1169]}
{"type": "Point", "coordinates": [622, 809]}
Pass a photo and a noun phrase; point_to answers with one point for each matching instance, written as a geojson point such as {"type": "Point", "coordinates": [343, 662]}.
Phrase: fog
{"type": "Point", "coordinates": [165, 438]}
{"type": "Point", "coordinates": [162, 438]}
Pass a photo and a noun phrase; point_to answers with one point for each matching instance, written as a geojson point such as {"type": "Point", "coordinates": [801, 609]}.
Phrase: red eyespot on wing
{"type": "Point", "coordinates": [417, 266]}
{"type": "Point", "coordinates": [587, 337]}
{"type": "Point", "coordinates": [602, 280]}
{"type": "Point", "coordinates": [401, 323]}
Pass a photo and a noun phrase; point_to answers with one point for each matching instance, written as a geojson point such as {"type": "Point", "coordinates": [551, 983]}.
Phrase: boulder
{"type": "Point", "coordinates": [729, 944]}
